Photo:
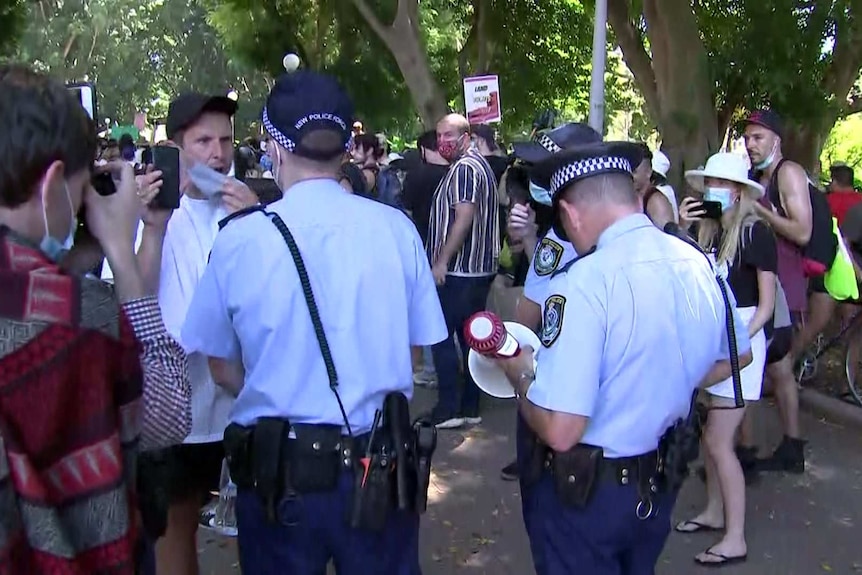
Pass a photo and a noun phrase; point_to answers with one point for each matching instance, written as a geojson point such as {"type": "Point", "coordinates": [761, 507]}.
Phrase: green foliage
{"type": "Point", "coordinates": [626, 116]}
{"type": "Point", "coordinates": [775, 53]}
{"type": "Point", "coordinates": [139, 54]}
{"type": "Point", "coordinates": [327, 35]}
{"type": "Point", "coordinates": [539, 48]}
{"type": "Point", "coordinates": [844, 145]}
{"type": "Point", "coordinates": [13, 14]}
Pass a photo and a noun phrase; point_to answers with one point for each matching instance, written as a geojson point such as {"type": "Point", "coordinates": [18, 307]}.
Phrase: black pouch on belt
{"type": "Point", "coordinates": [374, 493]}
{"type": "Point", "coordinates": [575, 472]}
{"type": "Point", "coordinates": [237, 448]}
{"type": "Point", "coordinates": [314, 458]}
{"type": "Point", "coordinates": [266, 460]}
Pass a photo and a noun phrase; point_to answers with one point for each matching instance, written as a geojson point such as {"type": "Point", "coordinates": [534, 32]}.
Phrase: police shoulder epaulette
{"type": "Point", "coordinates": [240, 213]}
{"type": "Point", "coordinates": [566, 267]}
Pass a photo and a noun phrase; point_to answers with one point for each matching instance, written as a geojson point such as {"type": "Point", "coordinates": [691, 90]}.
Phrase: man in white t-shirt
{"type": "Point", "coordinates": [200, 126]}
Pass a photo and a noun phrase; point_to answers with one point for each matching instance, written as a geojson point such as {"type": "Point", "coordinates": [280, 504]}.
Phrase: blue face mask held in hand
{"type": "Point", "coordinates": [208, 181]}
{"type": "Point", "coordinates": [541, 195]}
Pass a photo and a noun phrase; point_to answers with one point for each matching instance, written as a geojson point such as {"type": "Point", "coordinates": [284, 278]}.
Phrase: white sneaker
{"type": "Point", "coordinates": [451, 423]}
{"type": "Point", "coordinates": [423, 379]}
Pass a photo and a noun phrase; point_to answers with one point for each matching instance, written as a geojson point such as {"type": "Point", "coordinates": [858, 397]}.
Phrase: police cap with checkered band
{"type": "Point", "coordinates": [567, 167]}
{"type": "Point", "coordinates": [303, 102]}
{"type": "Point", "coordinates": [547, 143]}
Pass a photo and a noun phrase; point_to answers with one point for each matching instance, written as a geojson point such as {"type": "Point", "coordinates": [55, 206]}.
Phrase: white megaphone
{"type": "Point", "coordinates": [488, 338]}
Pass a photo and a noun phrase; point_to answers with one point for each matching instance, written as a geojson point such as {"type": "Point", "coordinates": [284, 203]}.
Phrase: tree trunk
{"type": "Point", "coordinates": [803, 144]}
{"type": "Point", "coordinates": [675, 80]}
{"type": "Point", "coordinates": [404, 40]}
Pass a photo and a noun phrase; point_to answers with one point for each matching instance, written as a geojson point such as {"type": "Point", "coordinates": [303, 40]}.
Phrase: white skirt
{"type": "Point", "coordinates": [752, 375]}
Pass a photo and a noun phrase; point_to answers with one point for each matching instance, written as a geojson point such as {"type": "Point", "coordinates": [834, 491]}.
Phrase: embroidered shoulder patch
{"type": "Point", "coordinates": [548, 256]}
{"type": "Point", "coordinates": [552, 320]}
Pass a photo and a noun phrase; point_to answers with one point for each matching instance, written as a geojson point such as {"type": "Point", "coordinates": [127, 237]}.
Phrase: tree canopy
{"type": "Point", "coordinates": [138, 53]}
{"type": "Point", "coordinates": [700, 64]}
{"type": "Point", "coordinates": [697, 64]}
{"type": "Point", "coordinates": [403, 65]}
{"type": "Point", "coordinates": [13, 16]}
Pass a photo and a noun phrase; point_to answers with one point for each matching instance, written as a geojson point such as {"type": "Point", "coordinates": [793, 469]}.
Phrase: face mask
{"type": "Point", "coordinates": [720, 195]}
{"type": "Point", "coordinates": [207, 180]}
{"type": "Point", "coordinates": [449, 149]}
{"type": "Point", "coordinates": [769, 159]}
{"type": "Point", "coordinates": [49, 245]}
{"type": "Point", "coordinates": [540, 195]}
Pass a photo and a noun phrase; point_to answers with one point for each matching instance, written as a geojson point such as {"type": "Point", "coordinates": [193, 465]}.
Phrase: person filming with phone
{"type": "Point", "coordinates": [88, 374]}
{"type": "Point", "coordinates": [744, 250]}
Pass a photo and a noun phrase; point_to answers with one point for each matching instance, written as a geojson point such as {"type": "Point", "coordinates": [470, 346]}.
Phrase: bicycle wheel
{"type": "Point", "coordinates": [853, 367]}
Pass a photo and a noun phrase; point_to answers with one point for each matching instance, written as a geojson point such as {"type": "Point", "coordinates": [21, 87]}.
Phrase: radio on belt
{"type": "Point", "coordinates": [486, 334]}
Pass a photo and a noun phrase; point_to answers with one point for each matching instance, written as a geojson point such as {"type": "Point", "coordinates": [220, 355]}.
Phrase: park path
{"type": "Point", "coordinates": [797, 525]}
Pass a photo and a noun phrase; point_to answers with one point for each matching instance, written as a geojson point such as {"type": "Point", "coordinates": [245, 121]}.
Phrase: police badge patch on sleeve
{"type": "Point", "coordinates": [548, 256]}
{"type": "Point", "coordinates": [552, 322]}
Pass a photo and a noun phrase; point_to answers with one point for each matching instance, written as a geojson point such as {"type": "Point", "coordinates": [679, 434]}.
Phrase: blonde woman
{"type": "Point", "coordinates": [744, 248]}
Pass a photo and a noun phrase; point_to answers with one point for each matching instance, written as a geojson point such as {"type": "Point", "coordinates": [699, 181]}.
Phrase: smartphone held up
{"type": "Point", "coordinates": [712, 210]}
{"type": "Point", "coordinates": [166, 159]}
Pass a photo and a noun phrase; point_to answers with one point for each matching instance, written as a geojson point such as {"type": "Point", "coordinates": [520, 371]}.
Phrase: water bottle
{"type": "Point", "coordinates": [224, 520]}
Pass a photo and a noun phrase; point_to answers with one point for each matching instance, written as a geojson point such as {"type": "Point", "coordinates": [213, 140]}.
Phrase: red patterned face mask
{"type": "Point", "coordinates": [450, 149]}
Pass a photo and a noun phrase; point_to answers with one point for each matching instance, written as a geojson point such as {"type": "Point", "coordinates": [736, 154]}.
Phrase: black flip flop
{"type": "Point", "coordinates": [698, 527]}
{"type": "Point", "coordinates": [725, 560]}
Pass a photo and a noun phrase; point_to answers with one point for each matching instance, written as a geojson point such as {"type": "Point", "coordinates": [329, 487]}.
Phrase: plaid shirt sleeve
{"type": "Point", "coordinates": [167, 391]}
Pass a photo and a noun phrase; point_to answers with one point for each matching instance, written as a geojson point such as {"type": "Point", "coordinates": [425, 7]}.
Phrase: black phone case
{"type": "Point", "coordinates": [167, 160]}
{"type": "Point", "coordinates": [712, 210]}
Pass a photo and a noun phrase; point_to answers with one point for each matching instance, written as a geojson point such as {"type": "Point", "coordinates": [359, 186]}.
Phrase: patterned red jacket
{"type": "Point", "coordinates": [80, 378]}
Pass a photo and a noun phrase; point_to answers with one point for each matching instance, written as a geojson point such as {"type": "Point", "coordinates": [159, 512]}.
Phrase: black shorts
{"type": "Point", "coordinates": [779, 345]}
{"type": "Point", "coordinates": [195, 470]}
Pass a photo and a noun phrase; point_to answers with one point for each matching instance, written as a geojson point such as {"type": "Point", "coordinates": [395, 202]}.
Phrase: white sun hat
{"type": "Point", "coordinates": [726, 166]}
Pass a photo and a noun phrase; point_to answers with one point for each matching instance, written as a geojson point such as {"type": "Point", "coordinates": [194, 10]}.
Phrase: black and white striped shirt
{"type": "Point", "coordinates": [470, 179]}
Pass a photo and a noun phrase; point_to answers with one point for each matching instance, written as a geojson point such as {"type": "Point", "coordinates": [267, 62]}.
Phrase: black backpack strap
{"type": "Point", "coordinates": [772, 189]}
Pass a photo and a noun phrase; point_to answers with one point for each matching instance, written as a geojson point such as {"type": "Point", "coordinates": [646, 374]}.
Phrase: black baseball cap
{"type": "Point", "coordinates": [306, 101]}
{"type": "Point", "coordinates": [768, 119]}
{"type": "Point", "coordinates": [186, 108]}
{"type": "Point", "coordinates": [545, 144]}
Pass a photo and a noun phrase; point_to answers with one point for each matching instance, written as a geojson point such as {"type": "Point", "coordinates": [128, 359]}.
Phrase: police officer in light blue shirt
{"type": "Point", "coordinates": [551, 252]}
{"type": "Point", "coordinates": [629, 330]}
{"type": "Point", "coordinates": [376, 297]}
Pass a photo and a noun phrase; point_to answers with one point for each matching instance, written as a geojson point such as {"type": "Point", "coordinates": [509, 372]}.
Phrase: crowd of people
{"type": "Point", "coordinates": [142, 349]}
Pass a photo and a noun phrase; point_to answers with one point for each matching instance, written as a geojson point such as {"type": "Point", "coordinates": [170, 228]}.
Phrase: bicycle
{"type": "Point", "coordinates": [806, 368]}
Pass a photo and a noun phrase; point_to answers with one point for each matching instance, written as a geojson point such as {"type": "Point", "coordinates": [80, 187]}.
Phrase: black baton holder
{"type": "Point", "coordinates": [425, 436]}
{"type": "Point", "coordinates": [396, 421]}
{"type": "Point", "coordinates": [267, 442]}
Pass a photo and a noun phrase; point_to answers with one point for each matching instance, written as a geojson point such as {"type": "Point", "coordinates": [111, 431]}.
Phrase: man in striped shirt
{"type": "Point", "coordinates": [463, 247]}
